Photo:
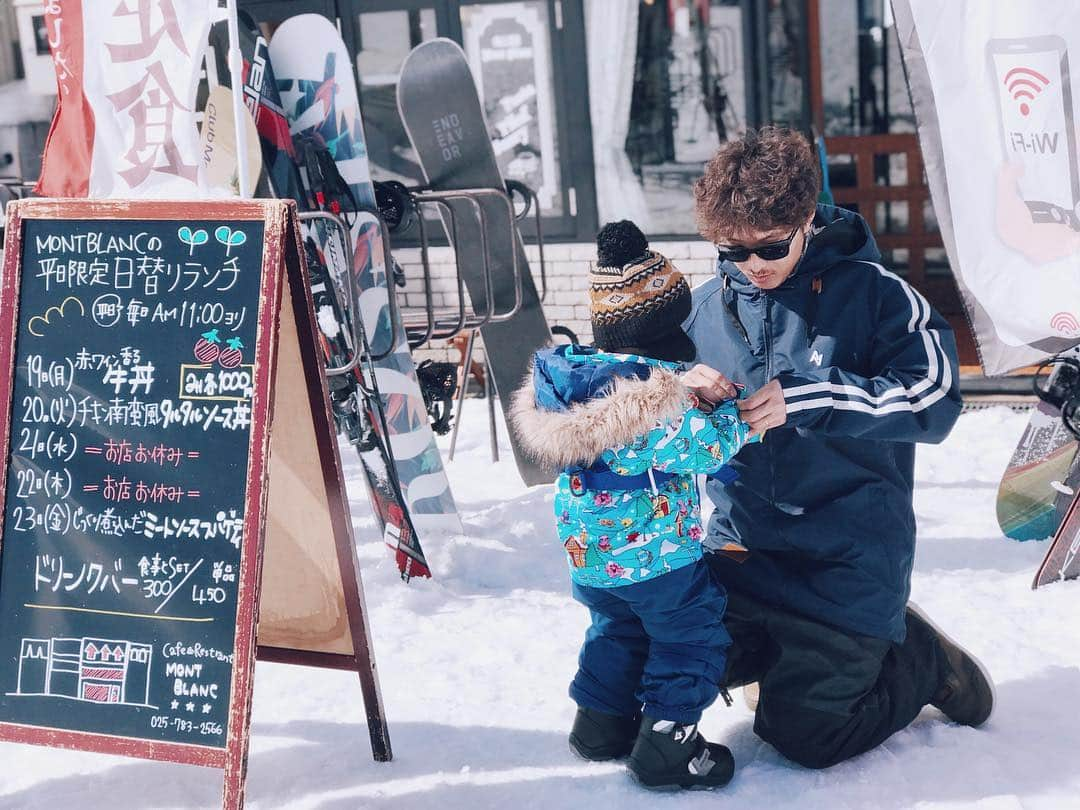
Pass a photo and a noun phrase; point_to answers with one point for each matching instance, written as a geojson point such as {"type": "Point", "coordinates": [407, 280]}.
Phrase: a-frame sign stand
{"type": "Point", "coordinates": [176, 388]}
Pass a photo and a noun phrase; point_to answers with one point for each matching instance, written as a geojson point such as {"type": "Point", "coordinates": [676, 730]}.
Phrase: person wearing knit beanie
{"type": "Point", "coordinates": [628, 436]}
{"type": "Point", "coordinates": [637, 297]}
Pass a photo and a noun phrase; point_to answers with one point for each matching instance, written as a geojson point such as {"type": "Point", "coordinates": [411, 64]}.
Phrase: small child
{"type": "Point", "coordinates": [629, 438]}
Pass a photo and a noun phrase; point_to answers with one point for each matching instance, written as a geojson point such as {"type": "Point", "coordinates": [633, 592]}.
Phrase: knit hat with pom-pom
{"type": "Point", "coordinates": [636, 294]}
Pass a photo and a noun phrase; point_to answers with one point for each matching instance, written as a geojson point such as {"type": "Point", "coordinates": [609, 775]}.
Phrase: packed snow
{"type": "Point", "coordinates": [474, 666]}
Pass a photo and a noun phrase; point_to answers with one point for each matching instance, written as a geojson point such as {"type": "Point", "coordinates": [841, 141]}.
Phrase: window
{"type": "Point", "coordinates": [862, 79]}
{"type": "Point", "coordinates": [667, 85]}
{"type": "Point", "coordinates": [509, 50]}
{"type": "Point", "coordinates": [275, 11]}
{"type": "Point", "coordinates": [383, 40]}
{"type": "Point", "coordinates": [788, 55]}
{"type": "Point", "coordinates": [518, 55]}
{"type": "Point", "coordinates": [864, 94]}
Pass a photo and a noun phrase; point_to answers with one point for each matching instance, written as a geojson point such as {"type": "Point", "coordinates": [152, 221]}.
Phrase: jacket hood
{"type": "Point", "coordinates": [837, 235]}
{"type": "Point", "coordinates": [578, 401]}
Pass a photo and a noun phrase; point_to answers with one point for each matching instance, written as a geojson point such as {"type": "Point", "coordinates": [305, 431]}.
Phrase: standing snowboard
{"type": "Point", "coordinates": [1042, 475]}
{"type": "Point", "coordinates": [1029, 506]}
{"type": "Point", "coordinates": [318, 94]}
{"type": "Point", "coordinates": [356, 405]}
{"type": "Point", "coordinates": [440, 108]}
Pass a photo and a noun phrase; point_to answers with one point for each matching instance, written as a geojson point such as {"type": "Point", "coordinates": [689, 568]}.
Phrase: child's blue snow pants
{"type": "Point", "coordinates": [658, 646]}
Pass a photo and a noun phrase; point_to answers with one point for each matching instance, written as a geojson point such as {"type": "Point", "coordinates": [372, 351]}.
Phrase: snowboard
{"type": "Point", "coordinates": [318, 94]}
{"type": "Point", "coordinates": [357, 412]}
{"type": "Point", "coordinates": [1062, 560]}
{"type": "Point", "coordinates": [1042, 475]}
{"type": "Point", "coordinates": [441, 111]}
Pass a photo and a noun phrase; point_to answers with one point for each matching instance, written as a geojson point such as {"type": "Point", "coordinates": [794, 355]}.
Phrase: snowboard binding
{"type": "Point", "coordinates": [335, 341]}
{"type": "Point", "coordinates": [438, 384]}
{"type": "Point", "coordinates": [346, 349]}
{"type": "Point", "coordinates": [1057, 383]}
{"type": "Point", "coordinates": [330, 192]}
{"type": "Point", "coordinates": [396, 205]}
{"type": "Point", "coordinates": [355, 399]}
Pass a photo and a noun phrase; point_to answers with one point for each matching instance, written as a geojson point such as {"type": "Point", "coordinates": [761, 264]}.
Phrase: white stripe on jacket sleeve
{"type": "Point", "coordinates": [914, 398]}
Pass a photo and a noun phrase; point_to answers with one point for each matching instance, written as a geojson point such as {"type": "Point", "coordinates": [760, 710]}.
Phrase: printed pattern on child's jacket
{"type": "Point", "coordinates": [639, 422]}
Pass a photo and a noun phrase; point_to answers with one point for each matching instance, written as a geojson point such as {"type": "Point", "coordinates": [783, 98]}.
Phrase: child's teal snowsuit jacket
{"type": "Point", "coordinates": [629, 438]}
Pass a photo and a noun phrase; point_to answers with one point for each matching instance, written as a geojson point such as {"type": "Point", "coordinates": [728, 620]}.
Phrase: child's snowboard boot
{"type": "Point", "coordinates": [599, 736]}
{"type": "Point", "coordinates": [673, 755]}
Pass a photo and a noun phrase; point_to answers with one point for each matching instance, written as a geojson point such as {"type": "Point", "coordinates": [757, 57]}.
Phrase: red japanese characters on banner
{"type": "Point", "coordinates": [65, 165]}
{"type": "Point", "coordinates": [125, 118]}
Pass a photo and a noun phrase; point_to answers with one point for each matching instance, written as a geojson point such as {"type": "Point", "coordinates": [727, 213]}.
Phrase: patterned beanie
{"type": "Point", "coordinates": [636, 295]}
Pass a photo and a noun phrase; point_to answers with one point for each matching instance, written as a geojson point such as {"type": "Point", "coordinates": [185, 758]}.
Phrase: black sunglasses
{"type": "Point", "coordinates": [770, 252]}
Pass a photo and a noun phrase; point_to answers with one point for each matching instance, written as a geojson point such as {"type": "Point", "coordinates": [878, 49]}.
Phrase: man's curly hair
{"type": "Point", "coordinates": [764, 181]}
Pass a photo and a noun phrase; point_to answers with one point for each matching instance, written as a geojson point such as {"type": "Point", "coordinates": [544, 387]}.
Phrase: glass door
{"type": "Point", "coordinates": [508, 46]}
{"type": "Point", "coordinates": [524, 69]}
{"type": "Point", "coordinates": [670, 83]}
{"type": "Point", "coordinates": [382, 34]}
{"type": "Point", "coordinates": [512, 48]}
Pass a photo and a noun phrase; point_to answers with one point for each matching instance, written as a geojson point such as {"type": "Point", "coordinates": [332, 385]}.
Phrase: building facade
{"type": "Point", "coordinates": [609, 109]}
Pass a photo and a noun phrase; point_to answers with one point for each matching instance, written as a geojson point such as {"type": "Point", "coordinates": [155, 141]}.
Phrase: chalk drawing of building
{"type": "Point", "coordinates": [95, 670]}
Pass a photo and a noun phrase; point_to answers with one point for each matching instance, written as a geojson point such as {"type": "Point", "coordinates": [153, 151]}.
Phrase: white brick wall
{"type": "Point", "coordinates": [568, 268]}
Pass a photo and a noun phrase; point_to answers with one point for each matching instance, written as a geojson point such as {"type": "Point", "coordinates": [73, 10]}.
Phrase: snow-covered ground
{"type": "Point", "coordinates": [474, 666]}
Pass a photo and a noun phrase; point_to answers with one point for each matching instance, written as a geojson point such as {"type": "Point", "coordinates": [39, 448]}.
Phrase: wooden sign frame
{"type": "Point", "coordinates": [282, 261]}
{"type": "Point", "coordinates": [362, 659]}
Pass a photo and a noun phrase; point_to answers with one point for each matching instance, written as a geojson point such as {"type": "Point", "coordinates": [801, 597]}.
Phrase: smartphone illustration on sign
{"type": "Point", "coordinates": [1036, 111]}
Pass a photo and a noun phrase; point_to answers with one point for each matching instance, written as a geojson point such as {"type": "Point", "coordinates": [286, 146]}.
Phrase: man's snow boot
{"type": "Point", "coordinates": [599, 736]}
{"type": "Point", "coordinates": [674, 755]}
{"type": "Point", "coordinates": [966, 693]}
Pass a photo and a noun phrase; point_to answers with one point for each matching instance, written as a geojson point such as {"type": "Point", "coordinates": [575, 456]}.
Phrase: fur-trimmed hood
{"type": "Point", "coordinates": [578, 402]}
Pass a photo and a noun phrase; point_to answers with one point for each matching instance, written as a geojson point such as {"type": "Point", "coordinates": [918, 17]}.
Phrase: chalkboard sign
{"type": "Point", "coordinates": [138, 370]}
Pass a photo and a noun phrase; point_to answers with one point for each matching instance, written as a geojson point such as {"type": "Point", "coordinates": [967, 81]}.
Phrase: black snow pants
{"type": "Point", "coordinates": [826, 694]}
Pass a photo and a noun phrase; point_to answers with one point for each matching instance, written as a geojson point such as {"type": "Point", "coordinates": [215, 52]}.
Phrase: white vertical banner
{"type": "Point", "coordinates": [992, 85]}
{"type": "Point", "coordinates": [141, 71]}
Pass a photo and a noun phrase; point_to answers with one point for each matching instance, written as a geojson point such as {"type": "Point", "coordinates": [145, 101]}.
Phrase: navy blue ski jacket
{"type": "Point", "coordinates": [868, 368]}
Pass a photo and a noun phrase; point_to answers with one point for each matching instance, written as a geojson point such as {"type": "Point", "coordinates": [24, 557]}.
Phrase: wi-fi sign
{"type": "Point", "coordinates": [1065, 323]}
{"type": "Point", "coordinates": [1025, 83]}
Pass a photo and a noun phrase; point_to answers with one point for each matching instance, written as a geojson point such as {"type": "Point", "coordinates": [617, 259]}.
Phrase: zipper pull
{"type": "Point", "coordinates": [731, 307]}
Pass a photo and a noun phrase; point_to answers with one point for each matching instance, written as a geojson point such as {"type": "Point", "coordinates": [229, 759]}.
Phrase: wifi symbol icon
{"type": "Point", "coordinates": [1066, 324]}
{"type": "Point", "coordinates": [1023, 82]}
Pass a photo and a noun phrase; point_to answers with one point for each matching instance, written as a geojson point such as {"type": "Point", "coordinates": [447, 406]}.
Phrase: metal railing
{"type": "Point", "coordinates": [429, 322]}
